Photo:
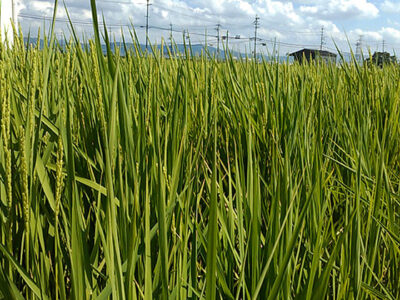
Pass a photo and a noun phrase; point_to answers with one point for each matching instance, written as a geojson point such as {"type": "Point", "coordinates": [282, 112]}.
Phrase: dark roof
{"type": "Point", "coordinates": [319, 52]}
{"type": "Point", "coordinates": [381, 53]}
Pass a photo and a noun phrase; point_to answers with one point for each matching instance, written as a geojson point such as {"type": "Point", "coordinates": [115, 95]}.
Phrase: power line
{"type": "Point", "coordinates": [180, 31]}
{"type": "Point", "coordinates": [232, 38]}
{"type": "Point", "coordinates": [163, 7]}
{"type": "Point", "coordinates": [60, 20]}
{"type": "Point", "coordinates": [236, 39]}
{"type": "Point", "coordinates": [288, 44]}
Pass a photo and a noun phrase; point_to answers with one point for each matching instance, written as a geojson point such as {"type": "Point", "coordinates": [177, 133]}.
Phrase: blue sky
{"type": "Point", "coordinates": [294, 24]}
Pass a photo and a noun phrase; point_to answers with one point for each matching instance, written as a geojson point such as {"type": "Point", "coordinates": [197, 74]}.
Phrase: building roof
{"type": "Point", "coordinates": [319, 52]}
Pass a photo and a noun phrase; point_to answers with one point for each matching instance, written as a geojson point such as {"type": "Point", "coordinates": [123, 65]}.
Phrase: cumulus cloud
{"type": "Point", "coordinates": [374, 40]}
{"type": "Point", "coordinates": [341, 9]}
{"type": "Point", "coordinates": [390, 6]}
{"type": "Point", "coordinates": [293, 22]}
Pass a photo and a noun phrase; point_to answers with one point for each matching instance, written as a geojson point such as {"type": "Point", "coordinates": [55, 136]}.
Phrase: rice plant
{"type": "Point", "coordinates": [159, 177]}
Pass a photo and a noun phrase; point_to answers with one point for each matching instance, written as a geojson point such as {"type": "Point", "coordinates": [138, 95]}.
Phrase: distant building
{"type": "Point", "coordinates": [381, 58]}
{"type": "Point", "coordinates": [311, 54]}
{"type": "Point", "coordinates": [7, 16]}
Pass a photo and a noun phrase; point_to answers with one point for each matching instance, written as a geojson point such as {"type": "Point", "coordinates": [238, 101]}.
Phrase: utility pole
{"type": "Point", "coordinates": [170, 34]}
{"type": "Point", "coordinates": [14, 11]}
{"type": "Point", "coordinates": [217, 28]}
{"type": "Point", "coordinates": [322, 38]}
{"type": "Point", "coordinates": [383, 45]}
{"type": "Point", "coordinates": [227, 40]}
{"type": "Point", "coordinates": [205, 39]}
{"type": "Point", "coordinates": [359, 48]}
{"type": "Point", "coordinates": [256, 25]}
{"type": "Point", "coordinates": [147, 22]}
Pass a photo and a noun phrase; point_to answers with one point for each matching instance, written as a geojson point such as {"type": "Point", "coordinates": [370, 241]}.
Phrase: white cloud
{"type": "Point", "coordinates": [374, 40]}
{"type": "Point", "coordinates": [295, 22]}
{"type": "Point", "coordinates": [309, 9]}
{"type": "Point", "coordinates": [390, 6]}
{"type": "Point", "coordinates": [384, 33]}
{"type": "Point", "coordinates": [390, 33]}
{"type": "Point", "coordinates": [341, 9]}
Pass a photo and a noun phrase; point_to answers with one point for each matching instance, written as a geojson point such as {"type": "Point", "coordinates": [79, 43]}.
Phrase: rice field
{"type": "Point", "coordinates": [144, 177]}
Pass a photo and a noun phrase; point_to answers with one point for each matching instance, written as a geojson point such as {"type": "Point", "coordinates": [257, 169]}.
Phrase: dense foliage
{"type": "Point", "coordinates": [147, 177]}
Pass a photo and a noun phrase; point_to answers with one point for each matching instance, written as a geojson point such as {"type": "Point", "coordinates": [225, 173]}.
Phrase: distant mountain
{"type": "Point", "coordinates": [196, 50]}
{"type": "Point", "coordinates": [177, 49]}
